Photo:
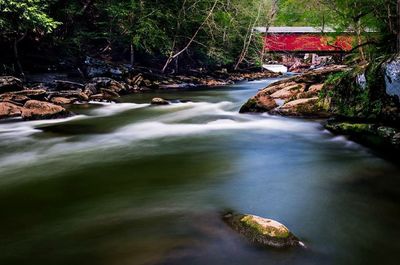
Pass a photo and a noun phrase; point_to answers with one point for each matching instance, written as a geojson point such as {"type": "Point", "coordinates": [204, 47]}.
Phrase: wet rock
{"type": "Point", "coordinates": [9, 110]}
{"type": "Point", "coordinates": [96, 84]}
{"type": "Point", "coordinates": [72, 94]}
{"type": "Point", "coordinates": [259, 104]}
{"type": "Point", "coordinates": [109, 94]}
{"type": "Point", "coordinates": [159, 101]}
{"type": "Point", "coordinates": [67, 85]}
{"type": "Point", "coordinates": [61, 100]}
{"type": "Point", "coordinates": [36, 110]}
{"type": "Point", "coordinates": [10, 83]}
{"type": "Point", "coordinates": [97, 97]}
{"type": "Point", "coordinates": [396, 140]}
{"type": "Point", "coordinates": [289, 91]}
{"type": "Point", "coordinates": [308, 107]}
{"type": "Point", "coordinates": [38, 94]}
{"type": "Point", "coordinates": [386, 132]}
{"type": "Point", "coordinates": [262, 231]}
{"type": "Point", "coordinates": [14, 98]}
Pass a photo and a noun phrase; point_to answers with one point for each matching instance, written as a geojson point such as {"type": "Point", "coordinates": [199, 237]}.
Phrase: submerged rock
{"type": "Point", "coordinates": [36, 110]}
{"type": "Point", "coordinates": [262, 231]}
{"type": "Point", "coordinates": [159, 101]}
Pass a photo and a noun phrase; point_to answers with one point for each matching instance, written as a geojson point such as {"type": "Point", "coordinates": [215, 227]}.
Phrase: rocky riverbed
{"type": "Point", "coordinates": [50, 99]}
{"type": "Point", "coordinates": [360, 101]}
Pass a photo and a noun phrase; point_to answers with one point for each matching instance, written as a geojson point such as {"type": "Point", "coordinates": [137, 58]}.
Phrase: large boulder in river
{"type": "Point", "coordinates": [37, 110]}
{"type": "Point", "coordinates": [262, 231]}
{"type": "Point", "coordinates": [300, 94]}
{"type": "Point", "coordinates": [306, 107]}
{"type": "Point", "coordinates": [9, 110]}
{"type": "Point", "coordinates": [10, 83]}
{"type": "Point", "coordinates": [259, 104]}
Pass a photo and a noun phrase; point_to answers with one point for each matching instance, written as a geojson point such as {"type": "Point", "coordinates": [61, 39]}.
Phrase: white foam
{"type": "Point", "coordinates": [109, 109]}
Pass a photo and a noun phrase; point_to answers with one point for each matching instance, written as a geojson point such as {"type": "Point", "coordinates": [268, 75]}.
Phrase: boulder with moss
{"type": "Point", "coordinates": [262, 231]}
{"type": "Point", "coordinates": [299, 93]}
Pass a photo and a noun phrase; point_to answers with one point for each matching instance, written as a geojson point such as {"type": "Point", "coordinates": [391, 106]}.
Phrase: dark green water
{"type": "Point", "coordinates": [134, 184]}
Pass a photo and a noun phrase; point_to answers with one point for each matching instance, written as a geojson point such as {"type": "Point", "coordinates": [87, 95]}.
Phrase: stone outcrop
{"type": "Point", "coordinates": [262, 231]}
{"type": "Point", "coordinates": [299, 94]}
{"type": "Point", "coordinates": [9, 110]}
{"type": "Point", "coordinates": [35, 110]}
{"type": "Point", "coordinates": [376, 136]}
{"type": "Point", "coordinates": [304, 107]}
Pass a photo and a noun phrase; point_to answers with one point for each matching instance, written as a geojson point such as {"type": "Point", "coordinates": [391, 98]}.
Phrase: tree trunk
{"type": "Point", "coordinates": [398, 26]}
{"type": "Point", "coordinates": [192, 39]}
{"type": "Point", "coordinates": [17, 60]}
{"type": "Point", "coordinates": [132, 55]}
{"type": "Point", "coordinates": [248, 40]}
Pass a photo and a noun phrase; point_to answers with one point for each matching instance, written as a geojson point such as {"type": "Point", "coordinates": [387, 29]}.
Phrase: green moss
{"type": "Point", "coordinates": [264, 230]}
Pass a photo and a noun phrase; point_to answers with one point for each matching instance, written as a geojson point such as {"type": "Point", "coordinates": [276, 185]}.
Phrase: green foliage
{"type": "Point", "coordinates": [25, 16]}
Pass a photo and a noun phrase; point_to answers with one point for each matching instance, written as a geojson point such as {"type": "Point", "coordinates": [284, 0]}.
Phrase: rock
{"type": "Point", "coordinates": [259, 104]}
{"type": "Point", "coordinates": [69, 94]}
{"type": "Point", "coordinates": [159, 101]}
{"type": "Point", "coordinates": [109, 94]}
{"type": "Point", "coordinates": [289, 91]}
{"type": "Point", "coordinates": [36, 110]}
{"type": "Point", "coordinates": [96, 84]}
{"type": "Point", "coordinates": [303, 107]}
{"type": "Point", "coordinates": [97, 97]}
{"type": "Point", "coordinates": [10, 84]}
{"type": "Point", "coordinates": [61, 100]}
{"type": "Point", "coordinates": [14, 98]}
{"type": "Point", "coordinates": [262, 231]}
{"type": "Point", "coordinates": [396, 140]}
{"type": "Point", "coordinates": [386, 132]}
{"type": "Point", "coordinates": [38, 94]}
{"type": "Point", "coordinates": [67, 85]}
{"type": "Point", "coordinates": [9, 110]}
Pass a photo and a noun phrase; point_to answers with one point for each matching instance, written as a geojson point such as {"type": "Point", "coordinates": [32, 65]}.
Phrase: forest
{"type": "Point", "coordinates": [167, 35]}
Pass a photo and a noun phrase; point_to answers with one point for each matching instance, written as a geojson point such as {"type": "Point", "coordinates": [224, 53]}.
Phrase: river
{"type": "Point", "coordinates": [134, 184]}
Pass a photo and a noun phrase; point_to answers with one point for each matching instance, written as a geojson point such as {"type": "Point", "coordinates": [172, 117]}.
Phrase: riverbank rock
{"type": "Point", "coordinates": [305, 107]}
{"type": "Point", "coordinates": [67, 85]}
{"type": "Point", "coordinates": [262, 231]}
{"type": "Point", "coordinates": [10, 84]}
{"type": "Point", "coordinates": [159, 101]}
{"type": "Point", "coordinates": [9, 110]}
{"type": "Point", "coordinates": [373, 135]}
{"type": "Point", "coordinates": [61, 101]}
{"type": "Point", "coordinates": [299, 94]}
{"type": "Point", "coordinates": [37, 110]}
{"type": "Point", "coordinates": [259, 104]}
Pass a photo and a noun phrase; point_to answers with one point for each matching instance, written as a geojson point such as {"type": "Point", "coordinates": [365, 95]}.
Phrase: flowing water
{"type": "Point", "coordinates": [134, 184]}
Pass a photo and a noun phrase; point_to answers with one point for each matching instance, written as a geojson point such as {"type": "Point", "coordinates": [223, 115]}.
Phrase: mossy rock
{"type": "Point", "coordinates": [262, 231]}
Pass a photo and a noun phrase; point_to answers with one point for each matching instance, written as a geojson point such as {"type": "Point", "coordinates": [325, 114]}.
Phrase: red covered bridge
{"type": "Point", "coordinates": [306, 40]}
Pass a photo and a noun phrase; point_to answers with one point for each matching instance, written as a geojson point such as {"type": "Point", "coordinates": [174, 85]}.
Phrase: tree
{"type": "Point", "coordinates": [18, 18]}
